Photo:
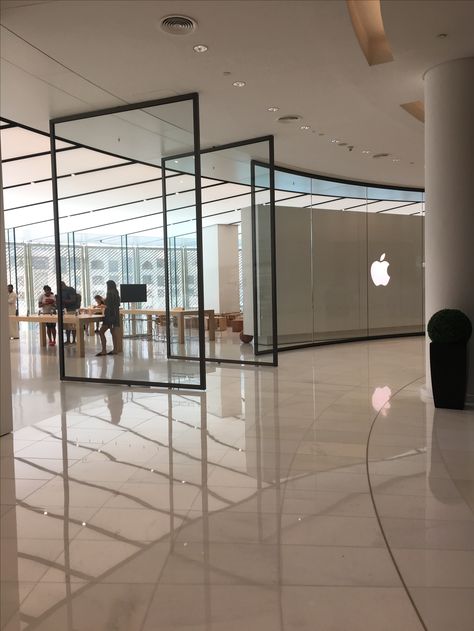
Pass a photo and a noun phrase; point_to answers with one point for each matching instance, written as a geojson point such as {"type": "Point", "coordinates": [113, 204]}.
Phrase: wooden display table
{"type": "Point", "coordinates": [180, 314]}
{"type": "Point", "coordinates": [70, 318]}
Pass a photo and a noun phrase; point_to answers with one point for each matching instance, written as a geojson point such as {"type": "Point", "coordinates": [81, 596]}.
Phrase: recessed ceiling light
{"type": "Point", "coordinates": [396, 160]}
{"type": "Point", "coordinates": [273, 108]}
{"type": "Point", "coordinates": [238, 84]}
{"type": "Point", "coordinates": [365, 151]}
{"type": "Point", "coordinates": [333, 140]}
{"type": "Point", "coordinates": [200, 48]}
{"type": "Point", "coordinates": [305, 127]}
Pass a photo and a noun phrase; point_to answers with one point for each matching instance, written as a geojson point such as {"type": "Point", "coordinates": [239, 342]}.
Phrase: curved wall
{"type": "Point", "coordinates": [349, 260]}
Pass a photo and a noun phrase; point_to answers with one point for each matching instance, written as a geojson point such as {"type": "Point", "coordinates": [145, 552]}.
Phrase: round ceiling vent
{"type": "Point", "coordinates": [381, 155]}
{"type": "Point", "coordinates": [178, 25]}
{"type": "Point", "coordinates": [290, 118]}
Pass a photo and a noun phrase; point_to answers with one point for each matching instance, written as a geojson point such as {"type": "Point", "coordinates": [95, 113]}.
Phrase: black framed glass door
{"type": "Point", "coordinates": [109, 192]}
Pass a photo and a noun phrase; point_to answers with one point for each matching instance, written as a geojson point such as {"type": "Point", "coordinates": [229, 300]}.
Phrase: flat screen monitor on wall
{"type": "Point", "coordinates": [133, 293]}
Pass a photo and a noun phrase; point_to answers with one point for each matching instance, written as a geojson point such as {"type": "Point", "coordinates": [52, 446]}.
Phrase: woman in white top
{"type": "Point", "coordinates": [12, 299]}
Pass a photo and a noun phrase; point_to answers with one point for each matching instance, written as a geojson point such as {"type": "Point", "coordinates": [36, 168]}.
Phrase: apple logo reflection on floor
{"type": "Point", "coordinates": [380, 400]}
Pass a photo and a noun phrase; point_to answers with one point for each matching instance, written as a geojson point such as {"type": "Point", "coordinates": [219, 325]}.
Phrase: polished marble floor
{"type": "Point", "coordinates": [324, 495]}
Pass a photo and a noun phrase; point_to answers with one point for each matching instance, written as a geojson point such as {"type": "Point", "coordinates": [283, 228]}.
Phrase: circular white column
{"type": "Point", "coordinates": [449, 183]}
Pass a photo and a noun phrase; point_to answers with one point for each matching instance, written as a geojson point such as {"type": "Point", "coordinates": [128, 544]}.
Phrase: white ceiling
{"type": "Point", "coordinates": [68, 56]}
{"type": "Point", "coordinates": [101, 196]}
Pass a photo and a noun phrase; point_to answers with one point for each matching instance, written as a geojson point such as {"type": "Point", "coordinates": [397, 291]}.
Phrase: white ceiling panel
{"type": "Point", "coordinates": [84, 160]}
{"type": "Point", "coordinates": [28, 216]}
{"type": "Point", "coordinates": [386, 205]}
{"type": "Point", "coordinates": [39, 168]}
{"type": "Point", "coordinates": [419, 207]}
{"type": "Point", "coordinates": [109, 178]}
{"type": "Point", "coordinates": [27, 194]}
{"type": "Point", "coordinates": [113, 197]}
{"type": "Point", "coordinates": [17, 141]}
{"type": "Point", "coordinates": [345, 203]}
{"type": "Point", "coordinates": [297, 201]}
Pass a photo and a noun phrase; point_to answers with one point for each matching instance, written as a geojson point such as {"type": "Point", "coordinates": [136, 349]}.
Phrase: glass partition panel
{"type": "Point", "coordinates": [237, 220]}
{"type": "Point", "coordinates": [110, 244]}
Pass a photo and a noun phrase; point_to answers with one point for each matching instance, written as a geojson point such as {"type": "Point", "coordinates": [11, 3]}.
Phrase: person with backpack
{"type": "Point", "coordinates": [47, 305]}
{"type": "Point", "coordinates": [70, 301]}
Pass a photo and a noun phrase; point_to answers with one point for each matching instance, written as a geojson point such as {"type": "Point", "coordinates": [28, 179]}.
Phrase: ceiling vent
{"type": "Point", "coordinates": [381, 155]}
{"type": "Point", "coordinates": [178, 25]}
{"type": "Point", "coordinates": [290, 118]}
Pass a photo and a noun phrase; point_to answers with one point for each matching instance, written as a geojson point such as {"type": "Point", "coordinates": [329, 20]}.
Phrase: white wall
{"type": "Point", "coordinates": [221, 268]}
{"type": "Point", "coordinates": [324, 288]}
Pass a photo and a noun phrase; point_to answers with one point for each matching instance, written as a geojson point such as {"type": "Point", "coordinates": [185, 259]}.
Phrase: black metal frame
{"type": "Point", "coordinates": [271, 168]}
{"type": "Point", "coordinates": [253, 163]}
{"type": "Point", "coordinates": [194, 99]}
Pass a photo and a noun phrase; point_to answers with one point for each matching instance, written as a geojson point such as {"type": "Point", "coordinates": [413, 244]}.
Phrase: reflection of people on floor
{"type": "Point", "coordinates": [47, 305]}
{"type": "Point", "coordinates": [111, 319]}
{"type": "Point", "coordinates": [115, 404]}
{"type": "Point", "coordinates": [70, 301]}
{"type": "Point", "coordinates": [12, 302]}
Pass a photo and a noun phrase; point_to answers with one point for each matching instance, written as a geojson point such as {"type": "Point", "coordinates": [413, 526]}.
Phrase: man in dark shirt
{"type": "Point", "coordinates": [69, 302]}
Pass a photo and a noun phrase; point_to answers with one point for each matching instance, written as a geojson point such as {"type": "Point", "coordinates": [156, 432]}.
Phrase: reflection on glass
{"type": "Point", "coordinates": [237, 254]}
{"type": "Point", "coordinates": [110, 190]}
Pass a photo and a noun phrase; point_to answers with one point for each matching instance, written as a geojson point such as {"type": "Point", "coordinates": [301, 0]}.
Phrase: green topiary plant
{"type": "Point", "coordinates": [449, 326]}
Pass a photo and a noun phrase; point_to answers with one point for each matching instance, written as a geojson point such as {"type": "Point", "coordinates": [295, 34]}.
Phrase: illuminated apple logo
{"type": "Point", "coordinates": [378, 271]}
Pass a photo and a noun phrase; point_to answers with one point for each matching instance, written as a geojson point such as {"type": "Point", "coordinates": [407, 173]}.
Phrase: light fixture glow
{"type": "Point", "coordinates": [366, 151]}
{"type": "Point", "coordinates": [273, 108]}
{"type": "Point", "coordinates": [200, 48]}
{"type": "Point", "coordinates": [305, 127]}
{"type": "Point", "coordinates": [238, 84]}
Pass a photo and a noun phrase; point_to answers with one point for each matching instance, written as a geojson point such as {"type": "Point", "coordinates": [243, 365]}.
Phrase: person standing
{"type": "Point", "coordinates": [111, 319]}
{"type": "Point", "coordinates": [47, 304]}
{"type": "Point", "coordinates": [69, 302]}
{"type": "Point", "coordinates": [12, 303]}
{"type": "Point", "coordinates": [99, 307]}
